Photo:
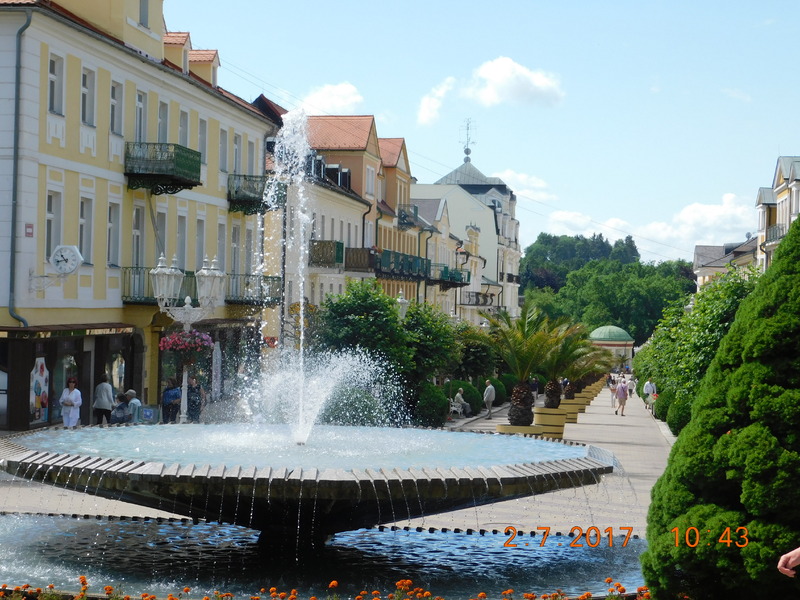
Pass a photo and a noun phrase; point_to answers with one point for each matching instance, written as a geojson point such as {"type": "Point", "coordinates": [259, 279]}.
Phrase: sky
{"type": "Point", "coordinates": [658, 120]}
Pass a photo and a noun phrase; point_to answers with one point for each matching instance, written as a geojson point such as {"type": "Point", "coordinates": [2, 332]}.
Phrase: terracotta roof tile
{"type": "Point", "coordinates": [177, 38]}
{"type": "Point", "coordinates": [390, 150]}
{"type": "Point", "coordinates": [203, 55]}
{"type": "Point", "coordinates": [339, 132]}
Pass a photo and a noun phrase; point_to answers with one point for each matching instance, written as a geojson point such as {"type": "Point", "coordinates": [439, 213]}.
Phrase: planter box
{"type": "Point", "coordinates": [551, 420]}
{"type": "Point", "coordinates": [524, 429]}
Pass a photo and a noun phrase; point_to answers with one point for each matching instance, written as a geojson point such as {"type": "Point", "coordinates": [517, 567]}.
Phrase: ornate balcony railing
{"type": "Point", "coordinates": [397, 265]}
{"type": "Point", "coordinates": [447, 277]}
{"type": "Point", "coordinates": [161, 168]}
{"type": "Point", "coordinates": [253, 290]}
{"type": "Point", "coordinates": [251, 194]}
{"type": "Point", "coordinates": [775, 233]}
{"type": "Point", "coordinates": [326, 253]}
{"type": "Point", "coordinates": [407, 216]}
{"type": "Point", "coordinates": [257, 290]}
{"type": "Point", "coordinates": [477, 299]}
{"type": "Point", "coordinates": [360, 259]}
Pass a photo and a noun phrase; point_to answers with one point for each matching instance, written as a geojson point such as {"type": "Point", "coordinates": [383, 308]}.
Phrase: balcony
{"type": "Point", "coordinates": [407, 216]}
{"type": "Point", "coordinates": [477, 299]}
{"type": "Point", "coordinates": [447, 277]}
{"type": "Point", "coordinates": [326, 253]}
{"type": "Point", "coordinates": [161, 168]}
{"type": "Point", "coordinates": [360, 259]}
{"type": "Point", "coordinates": [252, 290]}
{"type": "Point", "coordinates": [775, 233]}
{"type": "Point", "coordinates": [251, 194]}
{"type": "Point", "coordinates": [396, 265]}
{"type": "Point", "coordinates": [511, 278]}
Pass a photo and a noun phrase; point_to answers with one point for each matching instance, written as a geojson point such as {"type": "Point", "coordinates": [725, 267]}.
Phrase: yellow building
{"type": "Point", "coordinates": [124, 148]}
{"type": "Point", "coordinates": [778, 207]}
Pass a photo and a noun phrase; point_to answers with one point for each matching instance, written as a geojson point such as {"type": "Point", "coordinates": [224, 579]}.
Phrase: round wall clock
{"type": "Point", "coordinates": [66, 259]}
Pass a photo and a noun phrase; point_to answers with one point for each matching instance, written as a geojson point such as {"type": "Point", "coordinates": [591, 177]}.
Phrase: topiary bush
{"type": "Point", "coordinates": [433, 406]}
{"type": "Point", "coordinates": [662, 404]}
{"type": "Point", "coordinates": [733, 470]}
{"type": "Point", "coordinates": [678, 415]}
{"type": "Point", "coordinates": [471, 394]}
{"type": "Point", "coordinates": [509, 381]}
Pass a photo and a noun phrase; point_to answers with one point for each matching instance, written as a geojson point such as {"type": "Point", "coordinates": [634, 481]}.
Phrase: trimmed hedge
{"type": "Point", "coordinates": [471, 394]}
{"type": "Point", "coordinates": [433, 407]}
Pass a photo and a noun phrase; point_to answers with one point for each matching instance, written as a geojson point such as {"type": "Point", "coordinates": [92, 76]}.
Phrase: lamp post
{"type": "Point", "coordinates": [167, 282]}
{"type": "Point", "coordinates": [402, 305]}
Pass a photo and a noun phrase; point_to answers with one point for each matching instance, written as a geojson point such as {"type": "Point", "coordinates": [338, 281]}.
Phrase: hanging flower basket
{"type": "Point", "coordinates": [187, 345]}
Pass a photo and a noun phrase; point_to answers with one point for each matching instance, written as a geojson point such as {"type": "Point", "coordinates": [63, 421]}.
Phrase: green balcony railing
{"type": "Point", "coordinates": [402, 266]}
{"type": "Point", "coordinates": [251, 194]}
{"type": "Point", "coordinates": [161, 168]}
{"type": "Point", "coordinates": [326, 253]}
{"type": "Point", "coordinates": [448, 277]}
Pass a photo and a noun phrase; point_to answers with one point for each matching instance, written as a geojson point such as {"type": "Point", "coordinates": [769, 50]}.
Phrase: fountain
{"type": "Point", "coordinates": [295, 486]}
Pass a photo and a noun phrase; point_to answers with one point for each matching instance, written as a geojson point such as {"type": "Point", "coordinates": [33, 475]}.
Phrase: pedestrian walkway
{"type": "Point", "coordinates": [641, 446]}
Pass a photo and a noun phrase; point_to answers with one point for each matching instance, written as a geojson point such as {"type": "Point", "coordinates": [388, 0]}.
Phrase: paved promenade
{"type": "Point", "coordinates": [640, 444]}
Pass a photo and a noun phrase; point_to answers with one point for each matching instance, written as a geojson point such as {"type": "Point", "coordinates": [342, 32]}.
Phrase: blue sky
{"type": "Point", "coordinates": [658, 120]}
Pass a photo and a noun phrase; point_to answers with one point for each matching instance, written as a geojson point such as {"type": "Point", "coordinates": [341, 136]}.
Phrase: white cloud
{"type": "Point", "coordinates": [502, 80]}
{"type": "Point", "coordinates": [737, 95]}
{"type": "Point", "coordinates": [431, 103]}
{"type": "Point", "coordinates": [332, 99]}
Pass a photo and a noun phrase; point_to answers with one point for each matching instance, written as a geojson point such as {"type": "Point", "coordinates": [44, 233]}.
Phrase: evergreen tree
{"type": "Point", "coordinates": [727, 505]}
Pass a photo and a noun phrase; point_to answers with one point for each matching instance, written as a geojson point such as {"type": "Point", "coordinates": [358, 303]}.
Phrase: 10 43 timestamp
{"type": "Point", "coordinates": [694, 536]}
{"type": "Point", "coordinates": [592, 536]}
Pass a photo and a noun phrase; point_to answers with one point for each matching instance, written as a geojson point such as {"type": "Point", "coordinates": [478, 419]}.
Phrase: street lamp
{"type": "Point", "coordinates": [402, 305]}
{"type": "Point", "coordinates": [167, 282]}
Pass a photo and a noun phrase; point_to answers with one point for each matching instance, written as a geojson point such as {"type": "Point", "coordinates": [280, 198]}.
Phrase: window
{"type": "Point", "coordinates": [116, 108]}
{"type": "Point", "coordinates": [235, 237]}
{"type": "Point", "coordinates": [87, 97]}
{"type": "Point", "coordinates": [237, 153]}
{"type": "Point", "coordinates": [163, 122]}
{"type": "Point", "coordinates": [202, 137]}
{"type": "Point", "coordinates": [200, 244]}
{"type": "Point", "coordinates": [53, 223]}
{"type": "Point", "coordinates": [313, 227]}
{"type": "Point", "coordinates": [140, 125]}
{"type": "Point", "coordinates": [183, 129]}
{"type": "Point", "coordinates": [223, 150]}
{"type": "Point", "coordinates": [112, 234]}
{"type": "Point", "coordinates": [144, 13]}
{"type": "Point", "coordinates": [161, 232]}
{"type": "Point", "coordinates": [322, 227]}
{"type": "Point", "coordinates": [369, 188]}
{"type": "Point", "coordinates": [251, 158]}
{"type": "Point", "coordinates": [137, 237]}
{"type": "Point", "coordinates": [221, 246]}
{"type": "Point", "coordinates": [248, 251]}
{"type": "Point", "coordinates": [85, 229]}
{"type": "Point", "coordinates": [181, 240]}
{"type": "Point", "coordinates": [55, 90]}
{"type": "Point", "coordinates": [349, 237]}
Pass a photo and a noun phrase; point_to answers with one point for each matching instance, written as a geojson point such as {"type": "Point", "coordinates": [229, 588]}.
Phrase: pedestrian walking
{"type": "Point", "coordinates": [622, 398]}
{"type": "Point", "coordinates": [488, 397]}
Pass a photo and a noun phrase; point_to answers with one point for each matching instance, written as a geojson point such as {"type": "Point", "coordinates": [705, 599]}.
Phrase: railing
{"type": "Point", "coordinates": [259, 290]}
{"type": "Point", "coordinates": [253, 194]}
{"type": "Point", "coordinates": [512, 278]}
{"type": "Point", "coordinates": [162, 168]}
{"type": "Point", "coordinates": [137, 287]}
{"type": "Point", "coordinates": [406, 216]}
{"type": "Point", "coordinates": [775, 232]}
{"type": "Point", "coordinates": [399, 265]}
{"type": "Point", "coordinates": [477, 299]}
{"type": "Point", "coordinates": [360, 259]}
{"type": "Point", "coordinates": [325, 253]}
{"type": "Point", "coordinates": [255, 290]}
{"type": "Point", "coordinates": [447, 276]}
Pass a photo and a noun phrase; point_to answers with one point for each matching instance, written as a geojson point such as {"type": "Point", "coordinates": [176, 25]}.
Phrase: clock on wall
{"type": "Point", "coordinates": [66, 259]}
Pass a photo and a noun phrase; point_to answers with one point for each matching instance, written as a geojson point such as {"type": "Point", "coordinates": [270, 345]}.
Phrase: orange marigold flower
{"type": "Point", "coordinates": [482, 595]}
{"type": "Point", "coordinates": [26, 586]}
{"type": "Point", "coordinates": [333, 584]}
{"type": "Point", "coordinates": [273, 589]}
{"type": "Point", "coordinates": [206, 598]}
{"type": "Point", "coordinates": [609, 580]}
{"type": "Point", "coordinates": [390, 596]}
{"type": "Point", "coordinates": [38, 590]}
{"type": "Point", "coordinates": [186, 590]}
{"type": "Point", "coordinates": [282, 595]}
{"type": "Point", "coordinates": [82, 579]}
{"type": "Point", "coordinates": [313, 598]}
{"type": "Point", "coordinates": [49, 586]}
{"type": "Point", "coordinates": [426, 595]}
{"type": "Point", "coordinates": [126, 597]}
{"type": "Point", "coordinates": [359, 597]}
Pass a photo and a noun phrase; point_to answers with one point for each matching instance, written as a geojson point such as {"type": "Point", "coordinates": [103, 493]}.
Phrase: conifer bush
{"type": "Point", "coordinates": [736, 464]}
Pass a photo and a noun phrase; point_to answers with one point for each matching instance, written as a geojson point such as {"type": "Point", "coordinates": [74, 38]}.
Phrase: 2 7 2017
{"type": "Point", "coordinates": [592, 537]}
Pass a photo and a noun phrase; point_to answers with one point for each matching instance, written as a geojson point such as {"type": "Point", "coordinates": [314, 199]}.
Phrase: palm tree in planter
{"type": "Point", "coordinates": [522, 344]}
{"type": "Point", "coordinates": [586, 368]}
{"type": "Point", "coordinates": [570, 348]}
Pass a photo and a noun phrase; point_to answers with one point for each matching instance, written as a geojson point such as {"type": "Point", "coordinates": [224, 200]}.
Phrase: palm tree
{"type": "Point", "coordinates": [522, 344]}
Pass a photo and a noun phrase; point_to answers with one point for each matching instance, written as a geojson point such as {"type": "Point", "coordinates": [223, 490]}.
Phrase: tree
{"type": "Point", "coordinates": [476, 355]}
{"type": "Point", "coordinates": [736, 464]}
{"type": "Point", "coordinates": [522, 344]}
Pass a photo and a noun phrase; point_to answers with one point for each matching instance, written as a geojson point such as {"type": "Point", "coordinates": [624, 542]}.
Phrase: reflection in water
{"type": "Point", "coordinates": [164, 557]}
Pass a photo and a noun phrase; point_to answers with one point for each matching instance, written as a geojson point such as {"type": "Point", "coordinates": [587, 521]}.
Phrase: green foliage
{"type": "Point", "coordinates": [662, 404]}
{"type": "Point", "coordinates": [684, 343]}
{"type": "Point", "coordinates": [476, 353]}
{"type": "Point", "coordinates": [353, 406]}
{"type": "Point", "coordinates": [548, 260]}
{"type": "Point", "coordinates": [471, 394]}
{"type": "Point", "coordinates": [736, 463]}
{"type": "Point", "coordinates": [432, 341]}
{"type": "Point", "coordinates": [509, 381]}
{"type": "Point", "coordinates": [432, 406]}
{"type": "Point", "coordinates": [678, 415]}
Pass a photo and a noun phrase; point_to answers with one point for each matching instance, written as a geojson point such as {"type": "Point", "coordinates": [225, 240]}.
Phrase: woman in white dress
{"type": "Point", "coordinates": [71, 403]}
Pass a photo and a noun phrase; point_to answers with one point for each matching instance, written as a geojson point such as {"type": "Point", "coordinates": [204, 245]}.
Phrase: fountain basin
{"type": "Point", "coordinates": [299, 500]}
